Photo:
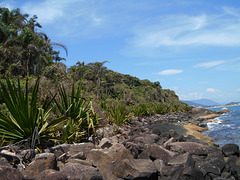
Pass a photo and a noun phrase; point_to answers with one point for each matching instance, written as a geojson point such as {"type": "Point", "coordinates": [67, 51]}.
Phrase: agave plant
{"type": "Point", "coordinates": [26, 119]}
{"type": "Point", "coordinates": [82, 119]}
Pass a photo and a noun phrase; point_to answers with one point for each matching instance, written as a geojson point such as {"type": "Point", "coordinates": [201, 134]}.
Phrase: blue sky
{"type": "Point", "coordinates": [189, 46]}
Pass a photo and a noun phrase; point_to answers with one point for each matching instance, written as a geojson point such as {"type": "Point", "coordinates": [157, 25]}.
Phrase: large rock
{"type": "Point", "coordinates": [155, 151]}
{"type": "Point", "coordinates": [214, 166]}
{"type": "Point", "coordinates": [192, 173]}
{"type": "Point", "coordinates": [172, 172]}
{"type": "Point", "coordinates": [135, 169]}
{"type": "Point", "coordinates": [105, 159]}
{"type": "Point", "coordinates": [159, 164]}
{"type": "Point", "coordinates": [225, 110]}
{"type": "Point", "coordinates": [196, 110]}
{"type": "Point", "coordinates": [194, 148]}
{"type": "Point", "coordinates": [236, 171]}
{"type": "Point", "coordinates": [42, 162]}
{"type": "Point", "coordinates": [105, 143]}
{"type": "Point", "coordinates": [230, 149]}
{"type": "Point", "coordinates": [8, 173]}
{"type": "Point", "coordinates": [51, 174]}
{"type": "Point", "coordinates": [60, 149]}
{"type": "Point", "coordinates": [78, 171]}
{"type": "Point", "coordinates": [85, 148]}
{"type": "Point", "coordinates": [4, 162]}
{"type": "Point", "coordinates": [185, 159]}
{"type": "Point", "coordinates": [146, 139]}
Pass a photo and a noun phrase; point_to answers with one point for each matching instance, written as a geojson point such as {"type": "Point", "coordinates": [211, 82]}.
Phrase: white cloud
{"type": "Point", "coordinates": [238, 90]}
{"type": "Point", "coordinates": [71, 18]}
{"type": "Point", "coordinates": [212, 90]}
{"type": "Point", "coordinates": [184, 30]}
{"type": "Point", "coordinates": [47, 11]}
{"type": "Point", "coordinates": [210, 64]}
{"type": "Point", "coordinates": [170, 72]}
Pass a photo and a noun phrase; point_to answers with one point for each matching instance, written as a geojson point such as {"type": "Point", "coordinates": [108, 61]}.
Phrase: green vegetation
{"type": "Point", "coordinates": [26, 118]}
{"type": "Point", "coordinates": [36, 108]}
{"type": "Point", "coordinates": [81, 117]}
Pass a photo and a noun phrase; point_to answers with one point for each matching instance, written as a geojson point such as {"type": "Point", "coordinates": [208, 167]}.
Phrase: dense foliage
{"type": "Point", "coordinates": [26, 109]}
{"type": "Point", "coordinates": [23, 49]}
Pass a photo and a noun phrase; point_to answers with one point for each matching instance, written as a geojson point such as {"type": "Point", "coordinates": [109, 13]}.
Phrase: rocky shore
{"type": "Point", "coordinates": [164, 147]}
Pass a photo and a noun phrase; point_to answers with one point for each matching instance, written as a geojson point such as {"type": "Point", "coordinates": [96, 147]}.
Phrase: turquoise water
{"type": "Point", "coordinates": [226, 128]}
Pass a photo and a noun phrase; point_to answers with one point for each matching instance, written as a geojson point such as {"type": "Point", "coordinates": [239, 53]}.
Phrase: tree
{"type": "Point", "coordinates": [22, 46]}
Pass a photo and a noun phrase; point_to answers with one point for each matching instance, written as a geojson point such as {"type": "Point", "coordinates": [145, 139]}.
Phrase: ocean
{"type": "Point", "coordinates": [226, 128]}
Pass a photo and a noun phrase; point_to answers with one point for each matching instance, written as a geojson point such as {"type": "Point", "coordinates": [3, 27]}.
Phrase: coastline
{"type": "Point", "coordinates": [169, 146]}
{"type": "Point", "coordinates": [195, 127]}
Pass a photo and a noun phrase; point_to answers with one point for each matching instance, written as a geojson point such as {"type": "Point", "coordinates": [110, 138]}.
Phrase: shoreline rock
{"type": "Point", "coordinates": [168, 146]}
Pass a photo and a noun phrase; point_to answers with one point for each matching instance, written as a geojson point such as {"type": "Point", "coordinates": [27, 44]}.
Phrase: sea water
{"type": "Point", "coordinates": [226, 128]}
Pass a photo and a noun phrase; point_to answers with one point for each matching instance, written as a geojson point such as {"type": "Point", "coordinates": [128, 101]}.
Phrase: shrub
{"type": "Point", "coordinates": [25, 118]}
{"type": "Point", "coordinates": [143, 110]}
{"type": "Point", "coordinates": [119, 114]}
{"type": "Point", "coordinates": [81, 118]}
{"type": "Point", "coordinates": [161, 108]}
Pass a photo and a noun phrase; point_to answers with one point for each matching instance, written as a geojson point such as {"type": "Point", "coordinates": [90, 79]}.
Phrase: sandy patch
{"type": "Point", "coordinates": [195, 131]}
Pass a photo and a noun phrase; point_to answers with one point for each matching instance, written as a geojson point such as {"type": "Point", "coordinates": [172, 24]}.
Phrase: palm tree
{"type": "Point", "coordinates": [21, 45]}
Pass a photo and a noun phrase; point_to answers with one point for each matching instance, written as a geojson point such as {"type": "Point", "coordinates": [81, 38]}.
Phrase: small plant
{"type": "Point", "coordinates": [143, 110]}
{"type": "Point", "coordinates": [81, 118]}
{"type": "Point", "coordinates": [25, 118]}
{"type": "Point", "coordinates": [119, 114]}
{"type": "Point", "coordinates": [161, 108]}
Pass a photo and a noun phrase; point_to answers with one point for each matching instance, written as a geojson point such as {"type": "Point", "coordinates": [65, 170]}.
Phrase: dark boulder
{"type": "Point", "coordinates": [194, 148]}
{"type": "Point", "coordinates": [172, 172]}
{"type": "Point", "coordinates": [214, 166]}
{"type": "Point", "coordinates": [230, 149]}
{"type": "Point", "coordinates": [185, 159]}
{"type": "Point", "coordinates": [236, 171]}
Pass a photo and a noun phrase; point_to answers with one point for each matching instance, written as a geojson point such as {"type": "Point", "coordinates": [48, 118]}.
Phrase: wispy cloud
{"type": "Point", "coordinates": [238, 90]}
{"type": "Point", "coordinates": [72, 18]}
{"type": "Point", "coordinates": [185, 30]}
{"type": "Point", "coordinates": [209, 64]}
{"type": "Point", "coordinates": [212, 90]}
{"type": "Point", "coordinates": [170, 72]}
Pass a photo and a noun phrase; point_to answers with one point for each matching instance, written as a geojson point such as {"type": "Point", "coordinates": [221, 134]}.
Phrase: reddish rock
{"type": "Point", "coordinates": [42, 162]}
